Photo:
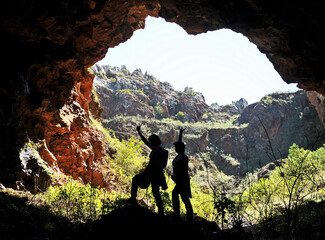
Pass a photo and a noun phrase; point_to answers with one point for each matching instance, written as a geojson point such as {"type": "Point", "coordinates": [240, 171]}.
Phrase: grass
{"type": "Point", "coordinates": [176, 124]}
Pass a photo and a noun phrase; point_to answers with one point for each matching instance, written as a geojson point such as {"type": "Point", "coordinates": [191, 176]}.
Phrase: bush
{"type": "Point", "coordinates": [159, 111]}
{"type": "Point", "coordinates": [128, 159]}
{"type": "Point", "coordinates": [298, 180]}
{"type": "Point", "coordinates": [76, 201]}
{"type": "Point", "coordinates": [180, 116]}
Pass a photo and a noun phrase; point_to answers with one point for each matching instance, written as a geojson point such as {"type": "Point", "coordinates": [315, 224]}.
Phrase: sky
{"type": "Point", "coordinates": [223, 65]}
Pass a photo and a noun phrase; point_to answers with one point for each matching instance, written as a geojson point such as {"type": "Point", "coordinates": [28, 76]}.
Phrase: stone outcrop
{"type": "Point", "coordinates": [122, 93]}
{"type": "Point", "coordinates": [48, 45]}
{"type": "Point", "coordinates": [288, 118]}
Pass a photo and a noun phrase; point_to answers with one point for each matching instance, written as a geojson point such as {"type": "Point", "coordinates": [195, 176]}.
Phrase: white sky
{"type": "Point", "coordinates": [222, 64]}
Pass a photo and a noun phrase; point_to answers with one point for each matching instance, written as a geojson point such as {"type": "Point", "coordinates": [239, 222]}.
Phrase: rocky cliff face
{"type": "Point", "coordinates": [130, 94]}
{"type": "Point", "coordinates": [288, 118]}
{"type": "Point", "coordinates": [47, 47]}
{"type": "Point", "coordinates": [122, 93]}
{"type": "Point", "coordinates": [232, 138]}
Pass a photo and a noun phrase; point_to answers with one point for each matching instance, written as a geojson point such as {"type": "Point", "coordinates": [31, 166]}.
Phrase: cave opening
{"type": "Point", "coordinates": [223, 65]}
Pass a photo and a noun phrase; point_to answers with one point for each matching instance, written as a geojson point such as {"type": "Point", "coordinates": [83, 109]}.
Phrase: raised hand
{"type": "Point", "coordinates": [181, 130]}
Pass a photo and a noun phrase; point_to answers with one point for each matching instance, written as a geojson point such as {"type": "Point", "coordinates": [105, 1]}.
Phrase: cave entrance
{"type": "Point", "coordinates": [225, 66]}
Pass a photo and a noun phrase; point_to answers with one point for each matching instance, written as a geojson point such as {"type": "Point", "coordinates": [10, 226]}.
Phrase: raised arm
{"type": "Point", "coordinates": [181, 130]}
{"type": "Point", "coordinates": [143, 137]}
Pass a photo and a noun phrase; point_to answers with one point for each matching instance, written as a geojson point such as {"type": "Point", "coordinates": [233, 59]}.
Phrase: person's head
{"type": "Point", "coordinates": [179, 147]}
{"type": "Point", "coordinates": [154, 140]}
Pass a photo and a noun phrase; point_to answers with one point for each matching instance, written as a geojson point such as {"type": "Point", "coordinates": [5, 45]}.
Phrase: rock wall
{"type": "Point", "coordinates": [48, 45]}
{"type": "Point", "coordinates": [122, 93]}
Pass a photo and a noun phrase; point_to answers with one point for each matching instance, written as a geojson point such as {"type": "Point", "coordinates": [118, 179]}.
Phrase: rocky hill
{"type": "Point", "coordinates": [231, 139]}
{"type": "Point", "coordinates": [123, 93]}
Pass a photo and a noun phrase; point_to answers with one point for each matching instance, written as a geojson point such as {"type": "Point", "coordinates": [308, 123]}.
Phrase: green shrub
{"type": "Point", "coordinates": [128, 159]}
{"type": "Point", "coordinates": [76, 201]}
{"type": "Point", "coordinates": [159, 111]}
{"type": "Point", "coordinates": [180, 116]}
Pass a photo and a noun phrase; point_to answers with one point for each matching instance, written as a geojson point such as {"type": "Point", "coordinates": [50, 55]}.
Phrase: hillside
{"type": "Point", "coordinates": [123, 93]}
{"type": "Point", "coordinates": [227, 139]}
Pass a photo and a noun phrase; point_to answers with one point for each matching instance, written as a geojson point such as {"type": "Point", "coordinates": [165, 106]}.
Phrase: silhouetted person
{"type": "Point", "coordinates": [181, 178]}
{"type": "Point", "coordinates": [153, 174]}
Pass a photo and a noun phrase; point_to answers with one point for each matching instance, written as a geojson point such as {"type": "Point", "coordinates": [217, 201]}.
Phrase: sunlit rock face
{"type": "Point", "coordinates": [47, 47]}
{"type": "Point", "coordinates": [318, 100]}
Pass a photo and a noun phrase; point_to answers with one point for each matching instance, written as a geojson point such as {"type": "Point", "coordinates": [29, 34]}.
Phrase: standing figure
{"type": "Point", "coordinates": [153, 174]}
{"type": "Point", "coordinates": [181, 178]}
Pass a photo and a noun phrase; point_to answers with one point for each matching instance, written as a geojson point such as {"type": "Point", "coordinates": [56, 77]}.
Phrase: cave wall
{"type": "Point", "coordinates": [47, 47]}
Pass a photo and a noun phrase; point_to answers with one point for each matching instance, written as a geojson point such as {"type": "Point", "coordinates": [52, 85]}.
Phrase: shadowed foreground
{"type": "Point", "coordinates": [138, 222]}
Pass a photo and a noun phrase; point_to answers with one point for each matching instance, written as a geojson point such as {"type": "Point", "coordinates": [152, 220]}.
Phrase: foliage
{"type": "Point", "coordinates": [202, 200]}
{"type": "Point", "coordinates": [168, 123]}
{"type": "Point", "coordinates": [128, 159]}
{"type": "Point", "coordinates": [296, 181]}
{"type": "Point", "coordinates": [113, 80]}
{"type": "Point", "coordinates": [180, 116]}
{"type": "Point", "coordinates": [76, 201]}
{"type": "Point", "coordinates": [81, 203]}
{"type": "Point", "coordinates": [129, 91]}
{"type": "Point", "coordinates": [159, 110]}
{"type": "Point", "coordinates": [94, 96]}
{"type": "Point", "coordinates": [223, 204]}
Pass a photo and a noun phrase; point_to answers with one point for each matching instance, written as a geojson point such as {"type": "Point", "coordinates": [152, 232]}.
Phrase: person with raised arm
{"type": "Point", "coordinates": [181, 178]}
{"type": "Point", "coordinates": [153, 173]}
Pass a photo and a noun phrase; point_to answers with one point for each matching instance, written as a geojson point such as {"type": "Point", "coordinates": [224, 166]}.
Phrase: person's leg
{"type": "Point", "coordinates": [189, 208]}
{"type": "Point", "coordinates": [176, 204]}
{"type": "Point", "coordinates": [159, 202]}
{"type": "Point", "coordinates": [134, 188]}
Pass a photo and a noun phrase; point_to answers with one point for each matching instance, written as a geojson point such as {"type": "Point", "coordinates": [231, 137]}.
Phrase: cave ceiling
{"type": "Point", "coordinates": [290, 33]}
